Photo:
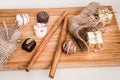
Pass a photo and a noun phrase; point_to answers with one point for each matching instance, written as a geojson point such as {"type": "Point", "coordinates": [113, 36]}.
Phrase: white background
{"type": "Point", "coordinates": [86, 73]}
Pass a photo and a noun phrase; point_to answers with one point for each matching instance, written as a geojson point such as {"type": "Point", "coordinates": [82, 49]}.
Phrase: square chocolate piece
{"type": "Point", "coordinates": [29, 44]}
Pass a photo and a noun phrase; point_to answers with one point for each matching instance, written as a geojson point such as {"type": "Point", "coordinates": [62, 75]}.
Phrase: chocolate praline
{"type": "Point", "coordinates": [69, 47]}
{"type": "Point", "coordinates": [29, 44]}
{"type": "Point", "coordinates": [42, 17]}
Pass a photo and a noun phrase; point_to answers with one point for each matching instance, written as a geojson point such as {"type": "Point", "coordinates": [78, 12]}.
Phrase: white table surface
{"type": "Point", "coordinates": [85, 73]}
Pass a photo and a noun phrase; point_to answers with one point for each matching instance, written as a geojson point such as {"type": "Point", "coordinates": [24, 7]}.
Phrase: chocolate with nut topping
{"type": "Point", "coordinates": [29, 44]}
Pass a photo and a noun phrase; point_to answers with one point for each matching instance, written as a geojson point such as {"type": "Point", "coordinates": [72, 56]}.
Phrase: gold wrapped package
{"type": "Point", "coordinates": [105, 16]}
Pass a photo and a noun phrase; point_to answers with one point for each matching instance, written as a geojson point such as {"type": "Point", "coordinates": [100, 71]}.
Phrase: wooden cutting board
{"type": "Point", "coordinates": [110, 56]}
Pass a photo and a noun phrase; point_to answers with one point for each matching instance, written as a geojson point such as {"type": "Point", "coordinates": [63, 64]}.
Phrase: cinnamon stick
{"type": "Point", "coordinates": [58, 50]}
{"type": "Point", "coordinates": [45, 41]}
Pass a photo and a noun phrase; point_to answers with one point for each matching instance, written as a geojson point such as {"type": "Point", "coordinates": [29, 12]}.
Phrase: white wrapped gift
{"type": "Point", "coordinates": [95, 40]}
{"type": "Point", "coordinates": [95, 37]}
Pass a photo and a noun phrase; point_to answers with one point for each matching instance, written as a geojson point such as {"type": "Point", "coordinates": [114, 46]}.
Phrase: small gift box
{"type": "Point", "coordinates": [105, 16]}
{"type": "Point", "coordinates": [95, 39]}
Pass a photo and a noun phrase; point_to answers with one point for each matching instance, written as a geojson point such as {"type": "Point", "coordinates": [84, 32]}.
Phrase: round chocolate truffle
{"type": "Point", "coordinates": [69, 47]}
{"type": "Point", "coordinates": [42, 17]}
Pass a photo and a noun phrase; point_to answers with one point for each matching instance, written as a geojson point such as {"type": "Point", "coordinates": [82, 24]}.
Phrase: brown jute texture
{"type": "Point", "coordinates": [9, 41]}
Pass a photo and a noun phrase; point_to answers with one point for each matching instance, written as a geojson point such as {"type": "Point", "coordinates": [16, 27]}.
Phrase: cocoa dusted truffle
{"type": "Point", "coordinates": [42, 17]}
{"type": "Point", "coordinates": [29, 44]}
{"type": "Point", "coordinates": [69, 47]}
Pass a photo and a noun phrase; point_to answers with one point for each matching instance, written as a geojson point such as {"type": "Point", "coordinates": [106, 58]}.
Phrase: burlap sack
{"type": "Point", "coordinates": [9, 40]}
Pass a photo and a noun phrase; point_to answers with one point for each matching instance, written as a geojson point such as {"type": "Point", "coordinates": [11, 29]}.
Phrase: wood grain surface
{"type": "Point", "coordinates": [110, 56]}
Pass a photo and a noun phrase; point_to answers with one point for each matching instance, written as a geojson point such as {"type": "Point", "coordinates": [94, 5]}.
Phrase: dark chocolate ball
{"type": "Point", "coordinates": [29, 44]}
{"type": "Point", "coordinates": [42, 17]}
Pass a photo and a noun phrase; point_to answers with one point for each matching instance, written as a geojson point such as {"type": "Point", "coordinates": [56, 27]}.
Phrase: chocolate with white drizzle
{"type": "Point", "coordinates": [69, 47]}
